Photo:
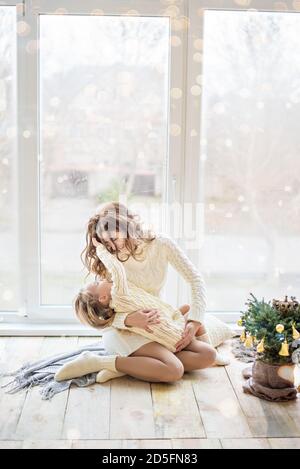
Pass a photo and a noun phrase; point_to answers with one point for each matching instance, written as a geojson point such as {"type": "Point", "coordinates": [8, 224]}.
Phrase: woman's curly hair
{"type": "Point", "coordinates": [113, 216]}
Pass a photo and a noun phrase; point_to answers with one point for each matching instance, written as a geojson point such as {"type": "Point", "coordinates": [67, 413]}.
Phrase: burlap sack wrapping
{"type": "Point", "coordinates": [264, 381]}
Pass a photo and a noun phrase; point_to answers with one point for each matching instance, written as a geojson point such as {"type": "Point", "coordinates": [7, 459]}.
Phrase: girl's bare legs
{"type": "Point", "coordinates": [152, 362]}
{"type": "Point", "coordinates": [197, 355]}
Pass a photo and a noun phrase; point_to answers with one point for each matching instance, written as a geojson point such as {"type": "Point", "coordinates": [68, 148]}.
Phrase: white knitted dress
{"type": "Point", "coordinates": [150, 274]}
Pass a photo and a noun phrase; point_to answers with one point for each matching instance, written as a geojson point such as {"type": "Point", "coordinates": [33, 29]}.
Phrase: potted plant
{"type": "Point", "coordinates": [273, 331]}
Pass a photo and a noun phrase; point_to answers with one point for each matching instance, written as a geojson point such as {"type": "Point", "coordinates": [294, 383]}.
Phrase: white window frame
{"type": "Point", "coordinates": [183, 177]}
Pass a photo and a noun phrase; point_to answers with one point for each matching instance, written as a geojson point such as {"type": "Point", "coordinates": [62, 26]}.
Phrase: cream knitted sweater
{"type": "Point", "coordinates": [150, 273]}
{"type": "Point", "coordinates": [127, 298]}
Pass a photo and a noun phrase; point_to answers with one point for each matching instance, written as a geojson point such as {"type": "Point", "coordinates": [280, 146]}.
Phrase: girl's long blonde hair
{"type": "Point", "coordinates": [113, 216]}
{"type": "Point", "coordinates": [91, 312]}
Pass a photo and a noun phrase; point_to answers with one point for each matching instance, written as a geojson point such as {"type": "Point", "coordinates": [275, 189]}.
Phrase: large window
{"type": "Point", "coordinates": [185, 110]}
{"type": "Point", "coordinates": [250, 165]}
{"type": "Point", "coordinates": [103, 129]}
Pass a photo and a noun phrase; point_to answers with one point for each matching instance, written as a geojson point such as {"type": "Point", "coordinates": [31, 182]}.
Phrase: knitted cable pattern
{"type": "Point", "coordinates": [180, 261]}
{"type": "Point", "coordinates": [150, 274]}
{"type": "Point", "coordinates": [127, 298]}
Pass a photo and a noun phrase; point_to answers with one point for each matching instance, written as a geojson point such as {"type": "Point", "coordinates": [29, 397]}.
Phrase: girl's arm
{"type": "Point", "coordinates": [119, 279]}
{"type": "Point", "coordinates": [179, 260]}
{"type": "Point", "coordinates": [115, 268]}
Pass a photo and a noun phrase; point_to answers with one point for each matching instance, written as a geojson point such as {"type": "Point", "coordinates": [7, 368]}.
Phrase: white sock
{"type": "Point", "coordinates": [86, 362]}
{"type": "Point", "coordinates": [106, 375]}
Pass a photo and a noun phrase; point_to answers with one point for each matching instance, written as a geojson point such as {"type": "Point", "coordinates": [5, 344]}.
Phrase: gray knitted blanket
{"type": "Point", "coordinates": [41, 373]}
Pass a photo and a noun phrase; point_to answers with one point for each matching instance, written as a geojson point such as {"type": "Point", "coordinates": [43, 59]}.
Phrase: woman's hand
{"type": "Point", "coordinates": [188, 335]}
{"type": "Point", "coordinates": [95, 242]}
{"type": "Point", "coordinates": [107, 241]}
{"type": "Point", "coordinates": [142, 318]}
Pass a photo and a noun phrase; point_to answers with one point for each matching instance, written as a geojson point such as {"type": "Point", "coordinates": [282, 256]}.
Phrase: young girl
{"type": "Point", "coordinates": [105, 299]}
{"type": "Point", "coordinates": [122, 297]}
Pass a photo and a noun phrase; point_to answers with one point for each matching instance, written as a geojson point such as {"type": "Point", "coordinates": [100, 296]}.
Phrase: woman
{"type": "Point", "coordinates": [146, 258]}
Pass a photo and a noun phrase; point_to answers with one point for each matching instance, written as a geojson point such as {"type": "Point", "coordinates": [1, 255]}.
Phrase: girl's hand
{"type": "Point", "coordinates": [142, 318]}
{"type": "Point", "coordinates": [187, 337]}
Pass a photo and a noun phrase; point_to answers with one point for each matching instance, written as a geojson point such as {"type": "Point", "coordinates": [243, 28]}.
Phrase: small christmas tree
{"type": "Point", "coordinates": [272, 329]}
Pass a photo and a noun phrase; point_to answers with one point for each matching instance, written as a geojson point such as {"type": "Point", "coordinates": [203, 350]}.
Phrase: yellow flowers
{"type": "Point", "coordinates": [280, 328]}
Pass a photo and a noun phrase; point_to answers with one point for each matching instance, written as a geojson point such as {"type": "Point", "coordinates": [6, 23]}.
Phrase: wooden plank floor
{"type": "Point", "coordinates": [206, 409]}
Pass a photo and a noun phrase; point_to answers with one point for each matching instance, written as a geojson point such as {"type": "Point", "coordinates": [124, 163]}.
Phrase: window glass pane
{"type": "Point", "coordinates": [250, 165]}
{"type": "Point", "coordinates": [8, 192]}
{"type": "Point", "coordinates": [103, 130]}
